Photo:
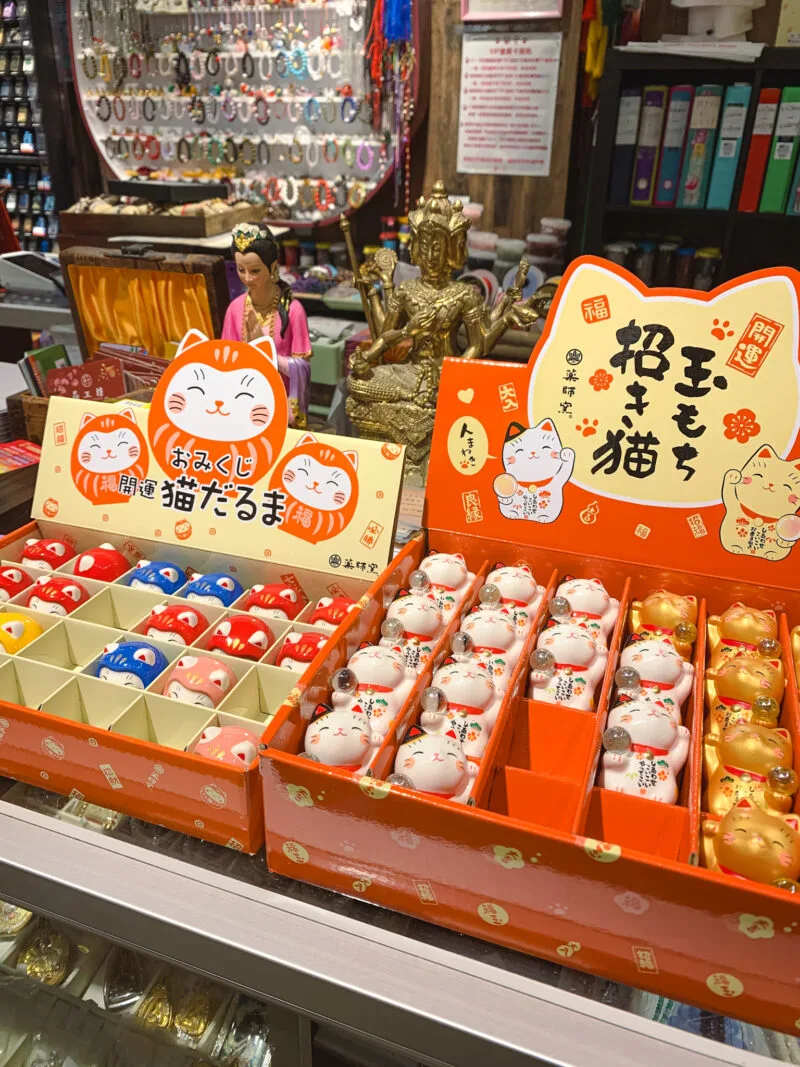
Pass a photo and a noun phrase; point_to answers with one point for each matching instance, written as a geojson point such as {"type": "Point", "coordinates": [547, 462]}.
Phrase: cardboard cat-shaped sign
{"type": "Point", "coordinates": [649, 424]}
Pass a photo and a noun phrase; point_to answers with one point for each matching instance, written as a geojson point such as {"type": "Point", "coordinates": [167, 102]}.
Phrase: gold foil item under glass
{"type": "Point", "coordinates": [192, 1015]}
{"type": "Point", "coordinates": [155, 1011]}
{"type": "Point", "coordinates": [46, 956]}
{"type": "Point", "coordinates": [124, 980]}
{"type": "Point", "coordinates": [13, 918]}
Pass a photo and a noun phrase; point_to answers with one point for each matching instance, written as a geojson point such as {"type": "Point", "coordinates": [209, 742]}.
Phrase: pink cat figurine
{"type": "Point", "coordinates": [472, 705]}
{"type": "Point", "coordinates": [200, 680]}
{"type": "Point", "coordinates": [664, 674]}
{"type": "Point", "coordinates": [228, 744]}
{"type": "Point", "coordinates": [496, 641]}
{"type": "Point", "coordinates": [578, 665]}
{"type": "Point", "coordinates": [450, 579]}
{"type": "Point", "coordinates": [434, 764]}
{"type": "Point", "coordinates": [341, 737]}
{"type": "Point", "coordinates": [422, 624]}
{"type": "Point", "coordinates": [645, 750]}
{"type": "Point", "coordinates": [589, 602]}
{"type": "Point", "coordinates": [518, 592]}
{"type": "Point", "coordinates": [383, 684]}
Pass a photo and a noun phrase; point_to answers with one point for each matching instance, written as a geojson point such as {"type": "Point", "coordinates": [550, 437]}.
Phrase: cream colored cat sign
{"type": "Point", "coordinates": [212, 464]}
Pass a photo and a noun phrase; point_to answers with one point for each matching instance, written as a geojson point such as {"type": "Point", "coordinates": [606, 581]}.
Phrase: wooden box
{"type": "Point", "coordinates": [81, 228]}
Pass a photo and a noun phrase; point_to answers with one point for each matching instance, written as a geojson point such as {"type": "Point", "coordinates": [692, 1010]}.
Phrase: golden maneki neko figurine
{"type": "Point", "coordinates": [394, 380]}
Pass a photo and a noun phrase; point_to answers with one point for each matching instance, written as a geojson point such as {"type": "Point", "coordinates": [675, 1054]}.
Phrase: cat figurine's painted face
{"type": "Point", "coordinates": [321, 487]}
{"type": "Point", "coordinates": [242, 636]}
{"type": "Point", "coordinates": [55, 595]}
{"type": "Point", "coordinates": [747, 625]}
{"type": "Point", "coordinates": [340, 737]}
{"type": "Point", "coordinates": [466, 684]}
{"type": "Point", "coordinates": [755, 844]}
{"type": "Point", "coordinates": [516, 584]}
{"type": "Point", "coordinates": [220, 590]}
{"type": "Point", "coordinates": [200, 680]}
{"type": "Point", "coordinates": [433, 763]}
{"type": "Point", "coordinates": [224, 400]}
{"type": "Point", "coordinates": [330, 612]}
{"type": "Point", "coordinates": [586, 596]}
{"type": "Point", "coordinates": [379, 665]}
{"type": "Point", "coordinates": [274, 601]}
{"type": "Point", "coordinates": [770, 486]}
{"type": "Point", "coordinates": [664, 610]}
{"type": "Point", "coordinates": [743, 678]}
{"type": "Point", "coordinates": [751, 747]}
{"type": "Point", "coordinates": [490, 628]}
{"type": "Point", "coordinates": [106, 447]}
{"type": "Point", "coordinates": [12, 581]}
{"type": "Point", "coordinates": [648, 723]}
{"type": "Point", "coordinates": [663, 672]}
{"type": "Point", "coordinates": [532, 454]}
{"type": "Point", "coordinates": [418, 613]}
{"type": "Point", "coordinates": [447, 570]}
{"type": "Point", "coordinates": [569, 643]}
{"type": "Point", "coordinates": [133, 664]}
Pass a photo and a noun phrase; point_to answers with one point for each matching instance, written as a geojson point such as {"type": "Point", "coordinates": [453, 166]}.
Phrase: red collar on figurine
{"type": "Point", "coordinates": [516, 603]}
{"type": "Point", "coordinates": [368, 687]}
{"type": "Point", "coordinates": [733, 643]}
{"type": "Point", "coordinates": [649, 749]}
{"type": "Point", "coordinates": [468, 709]}
{"type": "Point", "coordinates": [730, 873]}
{"type": "Point", "coordinates": [737, 772]}
{"type": "Point", "coordinates": [570, 667]}
{"type": "Point", "coordinates": [446, 588]}
{"type": "Point", "coordinates": [647, 684]}
{"type": "Point", "coordinates": [536, 485]}
{"type": "Point", "coordinates": [410, 636]}
{"type": "Point", "coordinates": [656, 629]}
{"type": "Point", "coordinates": [584, 615]}
{"type": "Point", "coordinates": [755, 515]}
{"type": "Point", "coordinates": [729, 702]}
{"type": "Point", "coordinates": [494, 651]}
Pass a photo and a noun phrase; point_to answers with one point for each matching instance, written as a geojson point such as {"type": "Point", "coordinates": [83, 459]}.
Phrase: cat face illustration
{"type": "Point", "coordinates": [317, 485]}
{"type": "Point", "coordinates": [770, 486]}
{"type": "Point", "coordinates": [446, 569]}
{"type": "Point", "coordinates": [532, 454]}
{"type": "Point", "coordinates": [109, 452]}
{"type": "Point", "coordinates": [220, 405]}
{"type": "Point", "coordinates": [757, 844]}
{"type": "Point", "coordinates": [106, 447]}
{"type": "Point", "coordinates": [321, 487]}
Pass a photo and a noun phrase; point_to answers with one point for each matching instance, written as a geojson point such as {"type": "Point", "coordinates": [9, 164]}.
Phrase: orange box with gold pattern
{"type": "Point", "coordinates": [174, 586]}
{"type": "Point", "coordinates": [636, 823]}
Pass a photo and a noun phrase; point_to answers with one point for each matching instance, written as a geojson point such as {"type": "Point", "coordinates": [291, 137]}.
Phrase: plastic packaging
{"type": "Point", "coordinates": [558, 227]}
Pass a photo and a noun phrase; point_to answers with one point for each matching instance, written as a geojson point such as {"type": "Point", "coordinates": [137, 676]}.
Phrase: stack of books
{"type": "Point", "coordinates": [112, 371]}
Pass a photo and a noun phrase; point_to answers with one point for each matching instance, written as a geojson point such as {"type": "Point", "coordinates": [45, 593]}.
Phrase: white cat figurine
{"type": "Point", "coordinates": [590, 603]}
{"type": "Point", "coordinates": [422, 626]}
{"type": "Point", "coordinates": [384, 685]}
{"type": "Point", "coordinates": [496, 641]}
{"type": "Point", "coordinates": [450, 579]}
{"type": "Point", "coordinates": [435, 764]}
{"type": "Point", "coordinates": [761, 503]}
{"type": "Point", "coordinates": [536, 470]}
{"type": "Point", "coordinates": [663, 672]}
{"type": "Point", "coordinates": [519, 592]}
{"type": "Point", "coordinates": [472, 705]}
{"type": "Point", "coordinates": [340, 737]}
{"type": "Point", "coordinates": [580, 664]}
{"type": "Point", "coordinates": [659, 748]}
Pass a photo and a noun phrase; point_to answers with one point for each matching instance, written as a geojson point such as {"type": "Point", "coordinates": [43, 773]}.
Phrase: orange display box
{"type": "Point", "coordinates": [158, 483]}
{"type": "Point", "coordinates": [581, 464]}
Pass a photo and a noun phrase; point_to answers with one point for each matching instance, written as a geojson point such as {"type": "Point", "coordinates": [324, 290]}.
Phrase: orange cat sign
{"type": "Point", "coordinates": [655, 424]}
{"type": "Point", "coordinates": [212, 464]}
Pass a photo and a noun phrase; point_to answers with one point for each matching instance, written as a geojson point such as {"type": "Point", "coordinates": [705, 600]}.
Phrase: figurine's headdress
{"type": "Point", "coordinates": [438, 213]}
{"type": "Point", "coordinates": [247, 233]}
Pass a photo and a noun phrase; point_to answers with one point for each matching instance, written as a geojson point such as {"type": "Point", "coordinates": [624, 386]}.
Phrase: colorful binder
{"type": "Point", "coordinates": [700, 140]}
{"type": "Point", "coordinates": [654, 102]}
{"type": "Point", "coordinates": [630, 105]}
{"type": "Point", "coordinates": [675, 127]}
{"type": "Point", "coordinates": [783, 153]}
{"type": "Point", "coordinates": [758, 152]}
{"type": "Point", "coordinates": [793, 200]}
{"type": "Point", "coordinates": [729, 146]}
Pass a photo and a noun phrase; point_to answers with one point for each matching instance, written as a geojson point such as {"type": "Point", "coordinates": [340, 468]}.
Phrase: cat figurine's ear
{"type": "Point", "coordinates": [691, 599]}
{"type": "Point", "coordinates": [748, 804]}
{"type": "Point", "coordinates": [86, 417]}
{"type": "Point", "coordinates": [412, 733]}
{"type": "Point", "coordinates": [770, 612]}
{"type": "Point", "coordinates": [353, 458]}
{"type": "Point", "coordinates": [364, 644]}
{"type": "Point", "coordinates": [514, 430]}
{"type": "Point", "coordinates": [319, 711]}
{"type": "Point", "coordinates": [192, 337]}
{"type": "Point", "coordinates": [307, 439]}
{"type": "Point", "coordinates": [266, 347]}
{"type": "Point", "coordinates": [792, 821]}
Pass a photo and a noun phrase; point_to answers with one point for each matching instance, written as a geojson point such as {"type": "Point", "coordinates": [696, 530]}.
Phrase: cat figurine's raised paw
{"type": "Point", "coordinates": [657, 748]}
{"type": "Point", "coordinates": [579, 665]}
{"type": "Point", "coordinates": [537, 467]}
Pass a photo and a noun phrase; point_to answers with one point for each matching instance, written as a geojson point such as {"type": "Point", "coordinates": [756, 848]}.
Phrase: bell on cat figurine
{"type": "Point", "coordinates": [242, 636]}
{"type": "Point", "coordinates": [17, 631]}
{"type": "Point", "coordinates": [496, 642]}
{"type": "Point", "coordinates": [450, 579]}
{"type": "Point", "coordinates": [591, 604]}
{"type": "Point", "coordinates": [382, 683]}
{"type": "Point", "coordinates": [104, 563]}
{"type": "Point", "coordinates": [298, 650]}
{"type": "Point", "coordinates": [218, 589]}
{"type": "Point", "coordinates": [46, 553]}
{"type": "Point", "coordinates": [160, 575]}
{"type": "Point", "coordinates": [57, 595]}
{"type": "Point", "coordinates": [434, 764]}
{"type": "Point", "coordinates": [12, 581]}
{"type": "Point", "coordinates": [519, 592]}
{"type": "Point", "coordinates": [422, 625]}
{"type": "Point", "coordinates": [733, 687]}
{"type": "Point", "coordinates": [748, 842]}
{"type": "Point", "coordinates": [175, 623]}
{"type": "Point", "coordinates": [661, 672]}
{"type": "Point", "coordinates": [647, 760]}
{"type": "Point", "coordinates": [330, 612]}
{"type": "Point", "coordinates": [275, 601]}
{"type": "Point", "coordinates": [341, 737]}
{"type": "Point", "coordinates": [740, 630]}
{"type": "Point", "coordinates": [579, 661]}
{"type": "Point", "coordinates": [749, 761]}
{"type": "Point", "coordinates": [132, 663]}
{"type": "Point", "coordinates": [200, 680]}
{"type": "Point", "coordinates": [665, 614]}
{"type": "Point", "coordinates": [469, 705]}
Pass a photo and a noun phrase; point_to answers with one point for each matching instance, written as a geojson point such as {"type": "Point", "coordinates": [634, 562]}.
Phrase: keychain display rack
{"type": "Point", "coordinates": [276, 99]}
{"type": "Point", "coordinates": [24, 167]}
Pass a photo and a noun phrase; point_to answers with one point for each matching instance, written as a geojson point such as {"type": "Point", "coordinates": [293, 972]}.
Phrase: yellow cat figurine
{"type": "Point", "coordinates": [732, 687]}
{"type": "Point", "coordinates": [753, 844]}
{"type": "Point", "coordinates": [749, 761]}
{"type": "Point", "coordinates": [761, 501]}
{"type": "Point", "coordinates": [740, 630]}
{"type": "Point", "coordinates": [665, 614]}
{"type": "Point", "coordinates": [796, 648]}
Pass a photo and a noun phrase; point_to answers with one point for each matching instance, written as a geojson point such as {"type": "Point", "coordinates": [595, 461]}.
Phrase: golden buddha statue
{"type": "Point", "coordinates": [394, 381]}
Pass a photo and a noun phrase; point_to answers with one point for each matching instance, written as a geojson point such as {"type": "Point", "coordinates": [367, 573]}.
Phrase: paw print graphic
{"type": "Point", "coordinates": [586, 428]}
{"type": "Point", "coordinates": [557, 909]}
{"type": "Point", "coordinates": [720, 330]}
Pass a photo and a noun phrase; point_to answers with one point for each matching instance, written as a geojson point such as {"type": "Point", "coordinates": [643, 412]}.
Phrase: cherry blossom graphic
{"type": "Point", "coordinates": [741, 425]}
{"type": "Point", "coordinates": [601, 380]}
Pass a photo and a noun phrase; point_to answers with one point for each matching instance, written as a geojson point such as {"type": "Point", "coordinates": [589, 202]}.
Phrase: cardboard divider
{"type": "Point", "coordinates": [237, 666]}
{"type": "Point", "coordinates": [171, 651]}
{"type": "Point", "coordinates": [538, 799]}
{"type": "Point", "coordinates": [71, 644]}
{"type": "Point", "coordinates": [695, 719]}
{"type": "Point", "coordinates": [29, 684]}
{"type": "Point", "coordinates": [117, 606]}
{"type": "Point", "coordinates": [260, 693]}
{"type": "Point", "coordinates": [648, 827]}
{"type": "Point", "coordinates": [790, 711]}
{"type": "Point", "coordinates": [90, 701]}
{"type": "Point", "coordinates": [162, 721]}
{"type": "Point", "coordinates": [543, 741]}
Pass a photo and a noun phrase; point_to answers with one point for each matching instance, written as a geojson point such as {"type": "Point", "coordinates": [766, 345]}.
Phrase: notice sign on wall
{"type": "Point", "coordinates": [508, 101]}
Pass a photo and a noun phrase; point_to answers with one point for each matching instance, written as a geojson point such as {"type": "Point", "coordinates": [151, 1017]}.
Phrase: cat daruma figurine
{"type": "Point", "coordinates": [321, 487]}
{"type": "Point", "coordinates": [748, 842]}
{"type": "Point", "coordinates": [749, 761]}
{"type": "Point", "coordinates": [665, 614]}
{"type": "Point", "coordinates": [740, 630]}
{"type": "Point", "coordinates": [732, 688]}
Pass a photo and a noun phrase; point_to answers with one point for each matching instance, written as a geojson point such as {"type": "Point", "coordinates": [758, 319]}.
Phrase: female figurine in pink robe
{"type": "Point", "coordinates": [267, 310]}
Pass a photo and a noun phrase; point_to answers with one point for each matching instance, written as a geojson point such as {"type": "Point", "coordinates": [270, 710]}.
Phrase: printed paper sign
{"type": "Point", "coordinates": [656, 425]}
{"type": "Point", "coordinates": [211, 463]}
